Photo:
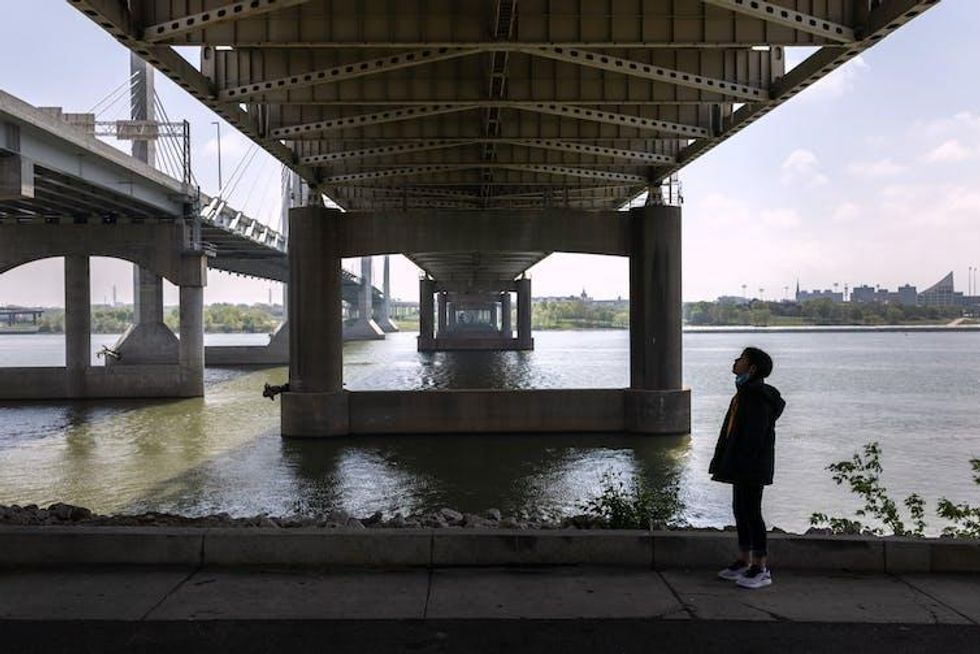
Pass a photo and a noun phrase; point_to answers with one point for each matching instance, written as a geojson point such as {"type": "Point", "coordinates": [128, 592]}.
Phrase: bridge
{"type": "Point", "coordinates": [476, 138]}
{"type": "Point", "coordinates": [65, 193]}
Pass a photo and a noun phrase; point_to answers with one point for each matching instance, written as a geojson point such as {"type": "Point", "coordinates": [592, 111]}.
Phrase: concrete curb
{"type": "Point", "coordinates": [65, 546]}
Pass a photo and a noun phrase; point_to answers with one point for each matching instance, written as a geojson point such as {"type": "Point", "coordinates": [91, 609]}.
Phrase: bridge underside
{"type": "Point", "coordinates": [474, 137]}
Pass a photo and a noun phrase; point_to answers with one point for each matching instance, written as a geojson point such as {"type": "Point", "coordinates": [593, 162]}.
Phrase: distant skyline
{"type": "Point", "coordinates": [870, 176]}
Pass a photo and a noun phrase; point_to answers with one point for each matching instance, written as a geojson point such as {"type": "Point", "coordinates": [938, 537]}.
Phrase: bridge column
{"type": "Point", "coordinates": [427, 288]}
{"type": "Point", "coordinates": [192, 326]}
{"type": "Point", "coordinates": [443, 301]}
{"type": "Point", "coordinates": [78, 323]}
{"type": "Point", "coordinates": [656, 401]}
{"type": "Point", "coordinates": [148, 340]}
{"type": "Point", "coordinates": [524, 340]}
{"type": "Point", "coordinates": [365, 329]}
{"type": "Point", "coordinates": [384, 319]}
{"type": "Point", "coordinates": [505, 327]}
{"type": "Point", "coordinates": [315, 404]}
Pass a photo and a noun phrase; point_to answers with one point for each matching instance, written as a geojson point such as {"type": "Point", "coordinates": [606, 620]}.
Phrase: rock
{"type": "Point", "coordinates": [818, 531]}
{"type": "Point", "coordinates": [450, 515]}
{"type": "Point", "coordinates": [583, 521]}
{"type": "Point", "coordinates": [473, 521]}
{"type": "Point", "coordinates": [267, 522]}
{"type": "Point", "coordinates": [375, 519]}
{"type": "Point", "coordinates": [398, 522]}
{"type": "Point", "coordinates": [509, 523]}
{"type": "Point", "coordinates": [493, 514]}
{"type": "Point", "coordinates": [354, 523]}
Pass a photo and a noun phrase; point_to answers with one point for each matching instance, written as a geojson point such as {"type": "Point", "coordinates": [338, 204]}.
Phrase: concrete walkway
{"type": "Point", "coordinates": [480, 610]}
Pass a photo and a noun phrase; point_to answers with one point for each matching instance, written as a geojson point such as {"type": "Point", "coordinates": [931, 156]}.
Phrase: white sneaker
{"type": "Point", "coordinates": [755, 577]}
{"type": "Point", "coordinates": [734, 571]}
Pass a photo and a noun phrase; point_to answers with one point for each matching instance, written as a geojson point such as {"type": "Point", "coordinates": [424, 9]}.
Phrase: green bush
{"type": "Point", "coordinates": [862, 473]}
{"type": "Point", "coordinates": [634, 504]}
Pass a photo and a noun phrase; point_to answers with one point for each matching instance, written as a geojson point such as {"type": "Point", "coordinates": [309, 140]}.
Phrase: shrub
{"type": "Point", "coordinates": [634, 504]}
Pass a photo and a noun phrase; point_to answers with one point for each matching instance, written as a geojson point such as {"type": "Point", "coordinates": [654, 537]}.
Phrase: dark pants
{"type": "Point", "coordinates": [747, 504]}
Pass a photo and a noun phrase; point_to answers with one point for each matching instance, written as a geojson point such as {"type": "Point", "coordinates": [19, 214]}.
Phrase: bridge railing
{"type": "Point", "coordinates": [216, 211]}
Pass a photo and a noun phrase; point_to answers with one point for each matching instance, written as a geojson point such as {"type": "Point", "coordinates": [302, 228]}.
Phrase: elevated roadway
{"type": "Point", "coordinates": [478, 137]}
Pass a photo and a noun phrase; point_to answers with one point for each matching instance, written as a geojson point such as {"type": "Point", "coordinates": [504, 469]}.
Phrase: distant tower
{"type": "Point", "coordinates": [797, 289]}
{"type": "Point", "coordinates": [114, 302]}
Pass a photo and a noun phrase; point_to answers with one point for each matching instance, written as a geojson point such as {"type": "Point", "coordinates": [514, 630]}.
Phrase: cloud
{"type": "Point", "coordinates": [845, 213]}
{"type": "Point", "coordinates": [951, 151]}
{"type": "Point", "coordinates": [802, 168]}
{"type": "Point", "coordinates": [881, 168]}
{"type": "Point", "coordinates": [784, 218]}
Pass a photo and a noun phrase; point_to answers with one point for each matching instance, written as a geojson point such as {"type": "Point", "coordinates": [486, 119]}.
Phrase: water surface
{"type": "Point", "coordinates": [914, 393]}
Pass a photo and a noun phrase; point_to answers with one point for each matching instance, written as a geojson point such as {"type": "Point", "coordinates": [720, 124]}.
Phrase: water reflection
{"type": "Point", "coordinates": [513, 472]}
{"type": "Point", "coordinates": [474, 369]}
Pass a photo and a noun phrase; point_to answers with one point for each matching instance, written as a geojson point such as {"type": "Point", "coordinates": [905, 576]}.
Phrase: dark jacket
{"type": "Point", "coordinates": [746, 448]}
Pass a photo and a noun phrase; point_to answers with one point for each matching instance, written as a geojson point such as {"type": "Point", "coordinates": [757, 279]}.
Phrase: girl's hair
{"type": "Point", "coordinates": [761, 361]}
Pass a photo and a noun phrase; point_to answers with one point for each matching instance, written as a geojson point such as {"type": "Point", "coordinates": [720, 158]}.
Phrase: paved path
{"type": "Point", "coordinates": [481, 610]}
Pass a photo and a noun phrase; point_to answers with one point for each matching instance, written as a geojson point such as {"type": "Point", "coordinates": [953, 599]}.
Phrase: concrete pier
{"type": "Point", "coordinates": [78, 323]}
{"type": "Point", "coordinates": [364, 328]}
{"type": "Point", "coordinates": [152, 362]}
{"type": "Point", "coordinates": [316, 404]}
{"type": "Point", "coordinates": [656, 401]}
{"type": "Point", "coordinates": [383, 317]}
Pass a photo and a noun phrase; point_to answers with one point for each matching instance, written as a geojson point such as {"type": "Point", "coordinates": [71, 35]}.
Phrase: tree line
{"type": "Point", "coordinates": [814, 312]}
{"type": "Point", "coordinates": [222, 318]}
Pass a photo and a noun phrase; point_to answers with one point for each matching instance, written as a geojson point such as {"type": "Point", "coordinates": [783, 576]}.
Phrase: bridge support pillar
{"type": "Point", "coordinates": [442, 306]}
{"type": "Point", "coordinates": [148, 341]}
{"type": "Point", "coordinates": [365, 328]}
{"type": "Point", "coordinates": [384, 317]}
{"type": "Point", "coordinates": [505, 327]}
{"type": "Point", "coordinates": [315, 404]}
{"type": "Point", "coordinates": [656, 401]}
{"type": "Point", "coordinates": [427, 289]}
{"type": "Point", "coordinates": [78, 323]}
{"type": "Point", "coordinates": [524, 314]}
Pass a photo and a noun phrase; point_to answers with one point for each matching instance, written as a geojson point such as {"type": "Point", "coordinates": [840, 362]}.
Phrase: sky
{"type": "Point", "coordinates": [871, 176]}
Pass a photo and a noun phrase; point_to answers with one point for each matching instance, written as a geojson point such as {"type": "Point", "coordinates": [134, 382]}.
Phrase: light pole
{"type": "Point", "coordinates": [221, 185]}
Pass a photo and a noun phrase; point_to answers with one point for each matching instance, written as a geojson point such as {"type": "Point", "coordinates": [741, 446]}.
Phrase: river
{"type": "Point", "coordinates": [916, 394]}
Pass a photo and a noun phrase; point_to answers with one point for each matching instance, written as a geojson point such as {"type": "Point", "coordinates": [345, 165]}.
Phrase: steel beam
{"type": "Point", "coordinates": [216, 16]}
{"type": "Point", "coordinates": [344, 72]}
{"type": "Point", "coordinates": [773, 13]}
{"type": "Point", "coordinates": [364, 120]}
{"type": "Point", "coordinates": [595, 150]}
{"type": "Point", "coordinates": [386, 150]}
{"type": "Point", "coordinates": [398, 172]}
{"type": "Point", "coordinates": [568, 171]}
{"type": "Point", "coordinates": [610, 118]}
{"type": "Point", "coordinates": [648, 72]}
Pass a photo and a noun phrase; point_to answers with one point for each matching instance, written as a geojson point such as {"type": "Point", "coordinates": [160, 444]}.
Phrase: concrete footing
{"type": "Point", "coordinates": [363, 329]}
{"type": "Point", "coordinates": [36, 383]}
{"type": "Point", "coordinates": [487, 411]}
{"type": "Point", "coordinates": [146, 343]}
{"type": "Point", "coordinates": [276, 353]}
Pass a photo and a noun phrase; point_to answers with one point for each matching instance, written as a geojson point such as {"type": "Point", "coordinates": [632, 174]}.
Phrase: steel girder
{"type": "Point", "coordinates": [553, 98]}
